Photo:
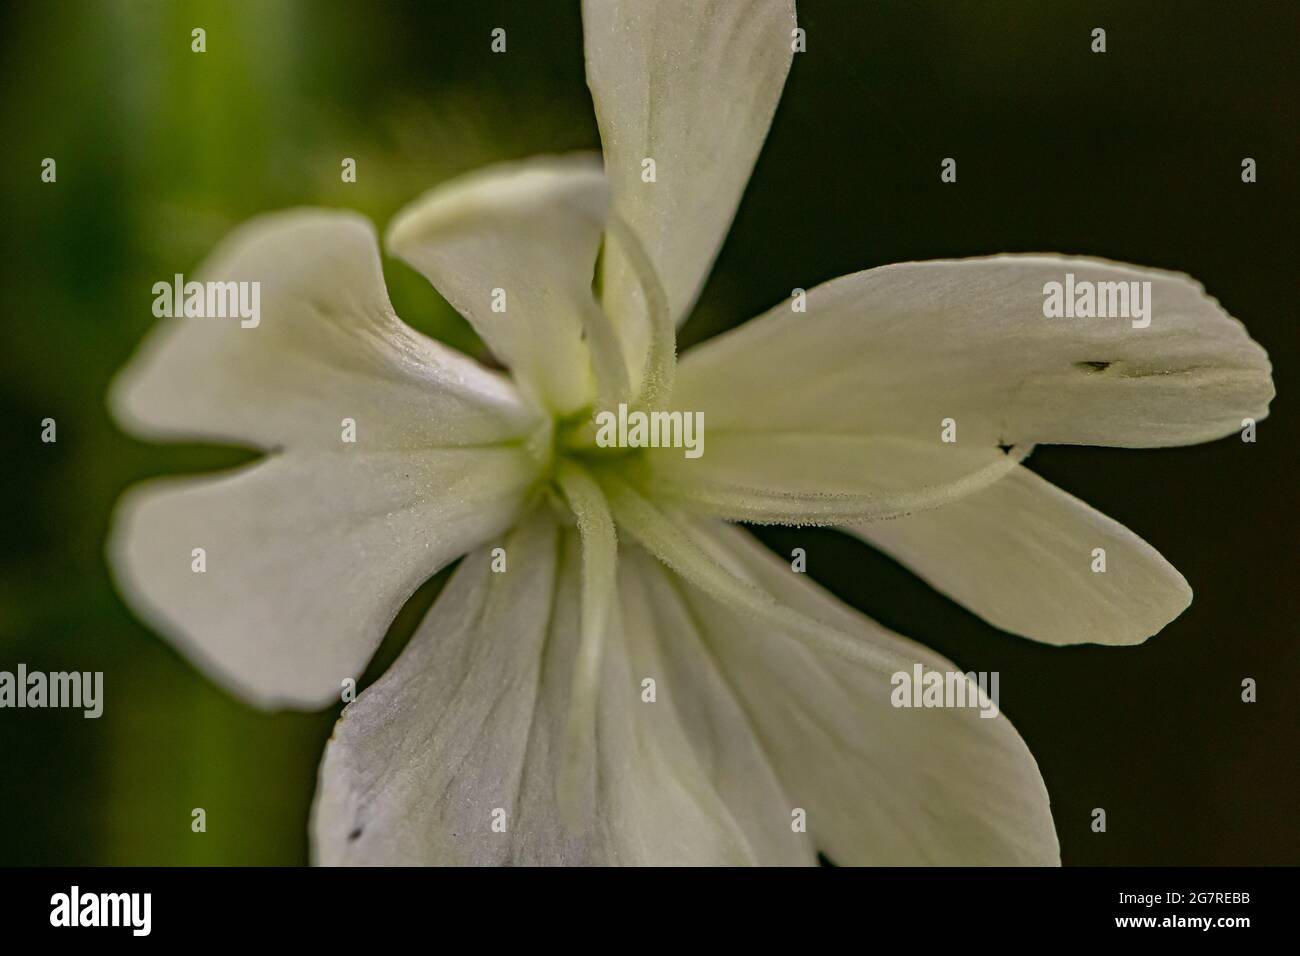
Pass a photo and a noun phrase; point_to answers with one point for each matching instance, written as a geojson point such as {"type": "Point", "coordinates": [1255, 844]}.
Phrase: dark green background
{"type": "Point", "coordinates": [1133, 155]}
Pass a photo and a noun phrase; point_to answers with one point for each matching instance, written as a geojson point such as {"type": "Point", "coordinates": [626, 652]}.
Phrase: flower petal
{"type": "Point", "coordinates": [310, 553]}
{"type": "Point", "coordinates": [693, 85]}
{"type": "Point", "coordinates": [688, 679]}
{"type": "Point", "coordinates": [1020, 554]}
{"type": "Point", "coordinates": [898, 349]}
{"type": "Point", "coordinates": [327, 347]}
{"type": "Point", "coordinates": [513, 249]}
{"type": "Point", "coordinates": [471, 720]}
{"type": "Point", "coordinates": [308, 556]}
{"type": "Point", "coordinates": [880, 785]}
{"type": "Point", "coordinates": [419, 762]}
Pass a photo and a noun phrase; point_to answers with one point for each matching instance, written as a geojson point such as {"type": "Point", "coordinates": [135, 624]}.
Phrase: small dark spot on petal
{"type": "Point", "coordinates": [355, 834]}
{"type": "Point", "coordinates": [1093, 366]}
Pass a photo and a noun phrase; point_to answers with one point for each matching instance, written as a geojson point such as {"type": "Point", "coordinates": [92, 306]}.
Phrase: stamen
{"type": "Point", "coordinates": [599, 561]}
{"type": "Point", "coordinates": [738, 503]}
{"type": "Point", "coordinates": [607, 360]}
{"type": "Point", "coordinates": [661, 356]}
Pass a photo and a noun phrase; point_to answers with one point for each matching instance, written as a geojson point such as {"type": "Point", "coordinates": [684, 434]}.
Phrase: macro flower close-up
{"type": "Point", "coordinates": [618, 671]}
{"type": "Point", "coordinates": [847, 442]}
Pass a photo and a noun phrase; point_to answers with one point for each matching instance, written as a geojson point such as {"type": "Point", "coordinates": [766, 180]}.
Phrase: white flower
{"type": "Point", "coordinates": [516, 727]}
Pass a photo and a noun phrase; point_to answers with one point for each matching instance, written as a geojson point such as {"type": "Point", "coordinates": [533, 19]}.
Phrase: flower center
{"type": "Point", "coordinates": [577, 436]}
